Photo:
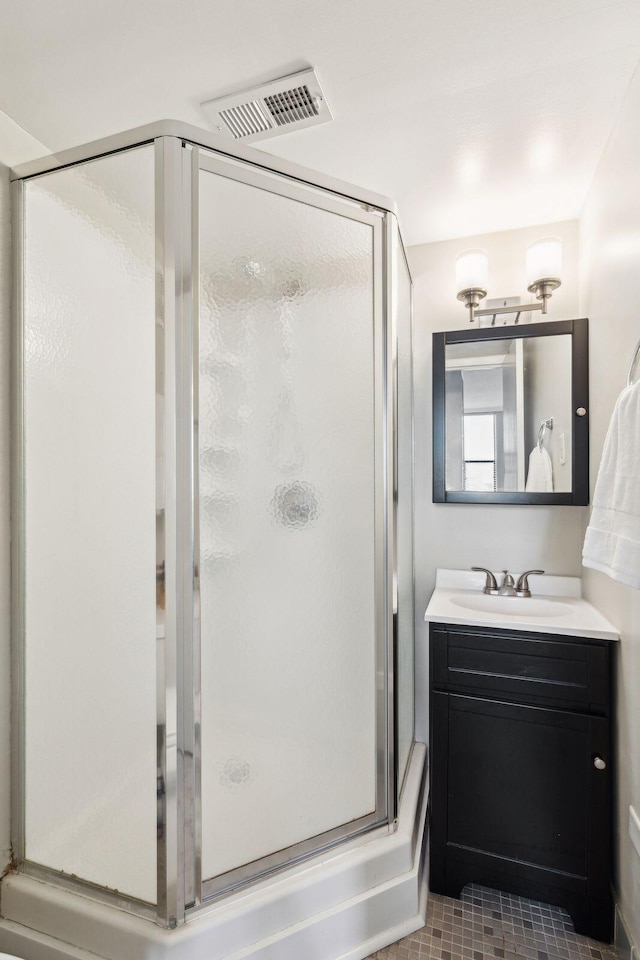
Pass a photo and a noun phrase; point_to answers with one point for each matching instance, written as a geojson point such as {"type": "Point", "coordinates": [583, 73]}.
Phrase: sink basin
{"type": "Point", "coordinates": [514, 606]}
{"type": "Point", "coordinates": [555, 608]}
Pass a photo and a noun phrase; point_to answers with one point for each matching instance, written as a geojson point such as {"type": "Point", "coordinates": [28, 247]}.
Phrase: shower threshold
{"type": "Point", "coordinates": [353, 901]}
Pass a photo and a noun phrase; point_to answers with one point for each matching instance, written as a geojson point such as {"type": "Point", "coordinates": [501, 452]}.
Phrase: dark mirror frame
{"type": "Point", "coordinates": [579, 331]}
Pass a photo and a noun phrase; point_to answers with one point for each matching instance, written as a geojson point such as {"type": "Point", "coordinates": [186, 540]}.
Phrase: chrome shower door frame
{"type": "Point", "coordinates": [396, 250]}
{"type": "Point", "coordinates": [384, 403]}
{"type": "Point", "coordinates": [181, 890]}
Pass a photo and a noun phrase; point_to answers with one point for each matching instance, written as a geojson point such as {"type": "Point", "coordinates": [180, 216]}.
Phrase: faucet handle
{"type": "Point", "coordinates": [491, 585]}
{"type": "Point", "coordinates": [522, 586]}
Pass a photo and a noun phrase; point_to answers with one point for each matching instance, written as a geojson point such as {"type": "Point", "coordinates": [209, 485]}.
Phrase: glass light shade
{"type": "Point", "coordinates": [472, 270]}
{"type": "Point", "coordinates": [544, 260]}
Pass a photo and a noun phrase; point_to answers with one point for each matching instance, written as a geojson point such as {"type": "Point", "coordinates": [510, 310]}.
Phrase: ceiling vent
{"type": "Point", "coordinates": [289, 103]}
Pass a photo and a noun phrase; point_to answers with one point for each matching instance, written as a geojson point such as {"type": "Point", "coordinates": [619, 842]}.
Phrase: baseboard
{"type": "Point", "coordinates": [622, 940]}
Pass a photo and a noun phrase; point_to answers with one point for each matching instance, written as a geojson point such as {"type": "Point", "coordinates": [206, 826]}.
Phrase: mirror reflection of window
{"type": "Point", "coordinates": [483, 384]}
{"type": "Point", "coordinates": [479, 445]}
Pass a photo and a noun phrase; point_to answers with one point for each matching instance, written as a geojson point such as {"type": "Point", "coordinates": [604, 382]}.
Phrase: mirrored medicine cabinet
{"type": "Point", "coordinates": [511, 414]}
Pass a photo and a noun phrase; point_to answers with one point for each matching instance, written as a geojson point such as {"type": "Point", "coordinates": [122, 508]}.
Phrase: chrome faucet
{"type": "Point", "coordinates": [490, 586]}
{"type": "Point", "coordinates": [522, 586]}
{"type": "Point", "coordinates": [507, 587]}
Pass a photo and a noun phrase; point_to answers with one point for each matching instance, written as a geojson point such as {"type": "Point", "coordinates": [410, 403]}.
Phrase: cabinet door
{"type": "Point", "coordinates": [517, 802]}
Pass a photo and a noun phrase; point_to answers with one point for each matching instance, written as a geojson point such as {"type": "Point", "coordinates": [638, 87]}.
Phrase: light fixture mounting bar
{"type": "Point", "coordinates": [495, 311]}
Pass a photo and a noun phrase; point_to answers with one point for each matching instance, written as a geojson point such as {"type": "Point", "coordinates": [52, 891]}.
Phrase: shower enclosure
{"type": "Point", "coordinates": [213, 558]}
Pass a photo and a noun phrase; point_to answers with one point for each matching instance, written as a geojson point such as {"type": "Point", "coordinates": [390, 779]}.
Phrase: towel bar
{"type": "Point", "coordinates": [544, 424]}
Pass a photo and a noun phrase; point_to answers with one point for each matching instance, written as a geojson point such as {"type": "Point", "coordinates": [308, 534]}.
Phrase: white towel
{"type": "Point", "coordinates": [612, 543]}
{"type": "Point", "coordinates": [540, 473]}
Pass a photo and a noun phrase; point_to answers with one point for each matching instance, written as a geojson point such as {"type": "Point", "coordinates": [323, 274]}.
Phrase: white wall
{"type": "Point", "coordinates": [463, 535]}
{"type": "Point", "coordinates": [610, 292]}
{"type": "Point", "coordinates": [16, 146]}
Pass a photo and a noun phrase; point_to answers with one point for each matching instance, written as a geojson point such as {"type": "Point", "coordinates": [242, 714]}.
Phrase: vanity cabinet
{"type": "Point", "coordinates": [521, 768]}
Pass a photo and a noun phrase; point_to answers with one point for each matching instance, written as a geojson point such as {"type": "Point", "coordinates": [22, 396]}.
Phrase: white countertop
{"type": "Point", "coordinates": [572, 616]}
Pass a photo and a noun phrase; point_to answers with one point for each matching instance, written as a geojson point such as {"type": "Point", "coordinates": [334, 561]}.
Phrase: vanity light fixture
{"type": "Point", "coordinates": [543, 267]}
{"type": "Point", "coordinates": [472, 271]}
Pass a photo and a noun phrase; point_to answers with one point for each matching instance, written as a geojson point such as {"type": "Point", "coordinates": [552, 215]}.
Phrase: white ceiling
{"type": "Point", "coordinates": [475, 115]}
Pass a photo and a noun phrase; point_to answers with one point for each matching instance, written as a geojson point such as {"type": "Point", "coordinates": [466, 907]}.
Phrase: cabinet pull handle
{"type": "Point", "coordinates": [599, 763]}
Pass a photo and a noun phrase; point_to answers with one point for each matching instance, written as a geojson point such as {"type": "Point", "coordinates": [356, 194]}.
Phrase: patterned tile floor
{"type": "Point", "coordinates": [487, 924]}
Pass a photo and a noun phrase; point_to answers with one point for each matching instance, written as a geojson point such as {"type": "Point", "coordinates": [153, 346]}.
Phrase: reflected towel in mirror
{"type": "Point", "coordinates": [540, 472]}
{"type": "Point", "coordinates": [612, 542]}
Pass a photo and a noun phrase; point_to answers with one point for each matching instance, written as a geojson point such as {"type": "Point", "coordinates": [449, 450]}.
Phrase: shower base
{"type": "Point", "coordinates": [344, 905]}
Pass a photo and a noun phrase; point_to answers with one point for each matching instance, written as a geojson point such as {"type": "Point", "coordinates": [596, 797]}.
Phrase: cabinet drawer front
{"type": "Point", "coordinates": [567, 674]}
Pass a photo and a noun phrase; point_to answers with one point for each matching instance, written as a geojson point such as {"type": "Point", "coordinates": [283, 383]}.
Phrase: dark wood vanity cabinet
{"type": "Point", "coordinates": [521, 768]}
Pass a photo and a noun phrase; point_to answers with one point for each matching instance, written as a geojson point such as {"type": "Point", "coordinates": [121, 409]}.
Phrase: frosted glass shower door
{"type": "Point", "coordinates": [292, 581]}
{"type": "Point", "coordinates": [89, 535]}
